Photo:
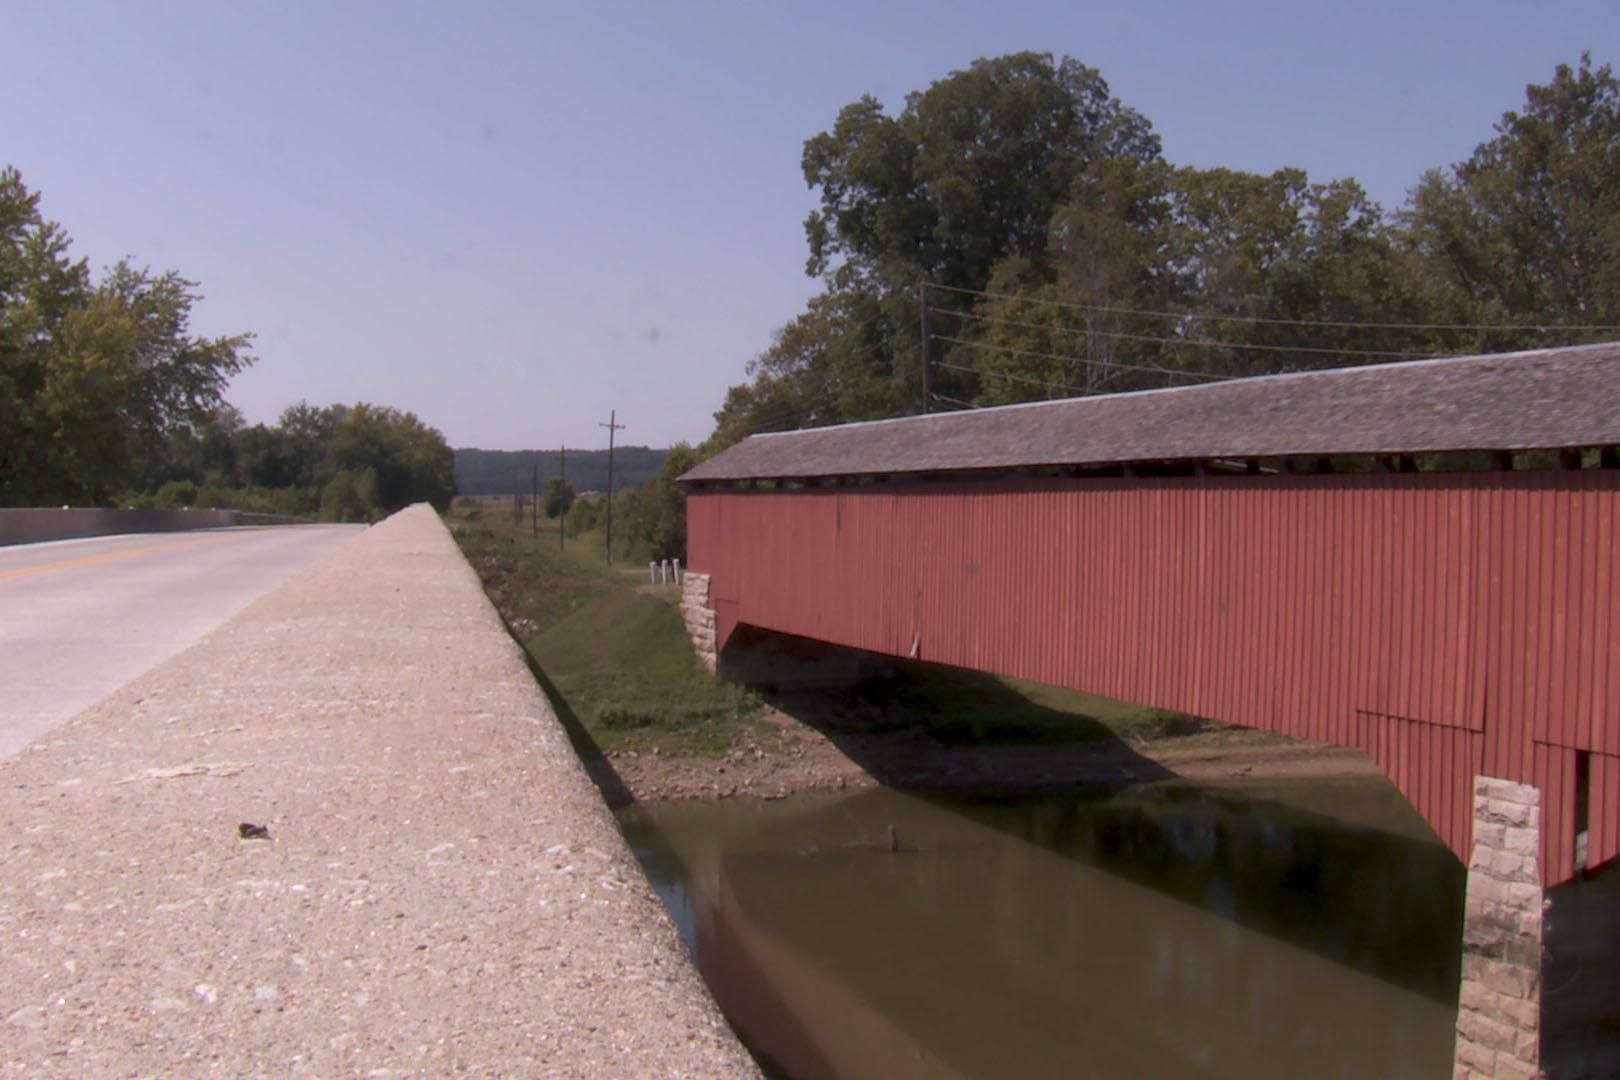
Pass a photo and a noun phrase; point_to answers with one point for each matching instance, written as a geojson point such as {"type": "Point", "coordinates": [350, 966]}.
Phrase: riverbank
{"type": "Point", "coordinates": [801, 758]}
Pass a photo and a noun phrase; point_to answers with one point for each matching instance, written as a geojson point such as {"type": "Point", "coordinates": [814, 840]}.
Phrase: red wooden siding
{"type": "Point", "coordinates": [1447, 624]}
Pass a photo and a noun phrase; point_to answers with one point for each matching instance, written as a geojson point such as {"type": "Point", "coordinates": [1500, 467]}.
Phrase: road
{"type": "Point", "coordinates": [79, 618]}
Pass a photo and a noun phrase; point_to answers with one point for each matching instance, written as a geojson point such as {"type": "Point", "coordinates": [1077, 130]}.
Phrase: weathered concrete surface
{"type": "Point", "coordinates": [443, 891]}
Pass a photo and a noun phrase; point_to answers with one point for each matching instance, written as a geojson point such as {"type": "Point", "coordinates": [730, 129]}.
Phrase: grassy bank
{"type": "Point", "coordinates": [611, 648]}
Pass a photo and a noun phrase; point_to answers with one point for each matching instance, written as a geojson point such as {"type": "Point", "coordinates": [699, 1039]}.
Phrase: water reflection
{"type": "Point", "coordinates": [1167, 932]}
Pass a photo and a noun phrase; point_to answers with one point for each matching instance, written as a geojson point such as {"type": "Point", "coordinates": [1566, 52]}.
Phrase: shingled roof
{"type": "Point", "coordinates": [1542, 399]}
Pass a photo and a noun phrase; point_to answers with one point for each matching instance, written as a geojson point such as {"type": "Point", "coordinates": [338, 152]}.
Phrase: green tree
{"type": "Point", "coordinates": [582, 517]}
{"type": "Point", "coordinates": [407, 460]}
{"type": "Point", "coordinates": [829, 365]}
{"type": "Point", "coordinates": [660, 510]}
{"type": "Point", "coordinates": [1527, 230]}
{"type": "Point", "coordinates": [968, 172]}
{"type": "Point", "coordinates": [558, 497]}
{"type": "Point", "coordinates": [95, 378]}
{"type": "Point", "coordinates": [966, 176]}
{"type": "Point", "coordinates": [1272, 262]}
{"type": "Point", "coordinates": [1068, 323]}
{"type": "Point", "coordinates": [350, 497]}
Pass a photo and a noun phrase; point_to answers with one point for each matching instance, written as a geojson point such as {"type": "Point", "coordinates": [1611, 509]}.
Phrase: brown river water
{"type": "Point", "coordinates": [1253, 930]}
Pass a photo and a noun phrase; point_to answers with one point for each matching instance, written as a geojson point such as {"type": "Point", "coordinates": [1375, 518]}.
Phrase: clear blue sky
{"type": "Point", "coordinates": [510, 218]}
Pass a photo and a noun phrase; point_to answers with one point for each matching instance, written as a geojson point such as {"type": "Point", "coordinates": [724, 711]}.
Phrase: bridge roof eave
{"type": "Point", "coordinates": [1545, 399]}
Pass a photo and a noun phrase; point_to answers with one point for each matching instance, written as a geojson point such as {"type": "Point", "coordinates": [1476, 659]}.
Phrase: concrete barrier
{"type": "Point", "coordinates": [342, 835]}
{"type": "Point", "coordinates": [35, 525]}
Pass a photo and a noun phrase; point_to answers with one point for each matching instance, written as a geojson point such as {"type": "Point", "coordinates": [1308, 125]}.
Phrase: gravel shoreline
{"type": "Point", "coordinates": [442, 890]}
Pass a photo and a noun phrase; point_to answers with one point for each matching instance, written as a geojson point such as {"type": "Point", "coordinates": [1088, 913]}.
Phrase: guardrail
{"type": "Point", "coordinates": [34, 525]}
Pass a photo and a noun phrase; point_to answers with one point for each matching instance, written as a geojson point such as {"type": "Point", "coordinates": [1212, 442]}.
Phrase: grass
{"type": "Point", "coordinates": [495, 512]}
{"type": "Point", "coordinates": [625, 664]}
{"type": "Point", "coordinates": [616, 654]}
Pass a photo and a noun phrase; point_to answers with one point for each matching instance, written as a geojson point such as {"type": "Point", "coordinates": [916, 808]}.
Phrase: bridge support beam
{"type": "Point", "coordinates": [1499, 999]}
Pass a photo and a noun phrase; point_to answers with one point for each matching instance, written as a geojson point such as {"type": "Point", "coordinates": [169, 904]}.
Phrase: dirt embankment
{"type": "Point", "coordinates": [800, 758]}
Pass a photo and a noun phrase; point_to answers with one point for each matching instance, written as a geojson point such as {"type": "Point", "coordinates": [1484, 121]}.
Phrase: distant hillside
{"type": "Point", "coordinates": [495, 472]}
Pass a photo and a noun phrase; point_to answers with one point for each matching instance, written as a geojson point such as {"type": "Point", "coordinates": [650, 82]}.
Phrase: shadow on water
{"type": "Point", "coordinates": [1300, 868]}
{"type": "Point", "coordinates": [977, 949]}
{"type": "Point", "coordinates": [1580, 971]}
{"type": "Point", "coordinates": [1379, 901]}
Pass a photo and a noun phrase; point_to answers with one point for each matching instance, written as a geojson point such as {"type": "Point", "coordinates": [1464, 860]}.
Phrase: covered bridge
{"type": "Point", "coordinates": [1421, 560]}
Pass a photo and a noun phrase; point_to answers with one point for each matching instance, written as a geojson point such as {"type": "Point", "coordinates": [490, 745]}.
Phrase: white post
{"type": "Point", "coordinates": [663, 572]}
{"type": "Point", "coordinates": [652, 572]}
{"type": "Point", "coordinates": [677, 571]}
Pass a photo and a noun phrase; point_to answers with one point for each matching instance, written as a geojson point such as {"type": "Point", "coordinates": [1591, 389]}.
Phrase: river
{"type": "Point", "coordinates": [1251, 930]}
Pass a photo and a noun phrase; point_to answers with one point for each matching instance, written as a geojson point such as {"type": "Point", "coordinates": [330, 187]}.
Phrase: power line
{"type": "Point", "coordinates": [1116, 365]}
{"type": "Point", "coordinates": [958, 402]}
{"type": "Point", "coordinates": [612, 425]}
{"type": "Point", "coordinates": [1263, 321]}
{"type": "Point", "coordinates": [994, 320]}
{"type": "Point", "coordinates": [1029, 379]}
{"type": "Point", "coordinates": [1194, 343]}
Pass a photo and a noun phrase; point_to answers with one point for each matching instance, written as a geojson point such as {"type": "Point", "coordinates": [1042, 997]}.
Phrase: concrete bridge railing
{"type": "Point", "coordinates": [33, 525]}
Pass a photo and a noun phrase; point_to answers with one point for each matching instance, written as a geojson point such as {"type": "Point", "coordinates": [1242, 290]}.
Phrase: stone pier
{"type": "Point", "coordinates": [1499, 999]}
{"type": "Point", "coordinates": [702, 624]}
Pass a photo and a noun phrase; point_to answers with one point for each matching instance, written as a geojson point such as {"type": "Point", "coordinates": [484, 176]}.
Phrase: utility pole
{"type": "Point", "coordinates": [534, 486]}
{"type": "Point", "coordinates": [612, 425]}
{"type": "Point", "coordinates": [562, 472]}
{"type": "Point", "coordinates": [922, 305]}
{"type": "Point", "coordinates": [517, 497]}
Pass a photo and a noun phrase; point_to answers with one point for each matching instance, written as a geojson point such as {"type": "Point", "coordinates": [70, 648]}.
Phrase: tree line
{"type": "Point", "coordinates": [649, 518]}
{"type": "Point", "coordinates": [106, 397]}
{"type": "Point", "coordinates": [1060, 254]}
{"type": "Point", "coordinates": [348, 463]}
{"type": "Point", "coordinates": [501, 472]}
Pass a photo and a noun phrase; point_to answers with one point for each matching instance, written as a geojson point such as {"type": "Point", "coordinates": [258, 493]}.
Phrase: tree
{"type": "Point", "coordinates": [1271, 263]}
{"type": "Point", "coordinates": [1527, 230]}
{"type": "Point", "coordinates": [559, 496]}
{"type": "Point", "coordinates": [966, 176]}
{"type": "Point", "coordinates": [350, 497]}
{"type": "Point", "coordinates": [582, 517]}
{"type": "Point", "coordinates": [827, 366]}
{"type": "Point", "coordinates": [970, 170]}
{"type": "Point", "coordinates": [407, 460]}
{"type": "Point", "coordinates": [660, 522]}
{"type": "Point", "coordinates": [1067, 323]}
{"type": "Point", "coordinates": [1063, 256]}
{"type": "Point", "coordinates": [95, 379]}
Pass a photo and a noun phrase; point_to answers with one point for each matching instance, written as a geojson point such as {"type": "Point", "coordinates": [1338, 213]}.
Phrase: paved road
{"type": "Point", "coordinates": [79, 618]}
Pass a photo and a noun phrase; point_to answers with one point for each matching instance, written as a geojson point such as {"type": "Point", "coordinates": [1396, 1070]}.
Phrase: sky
{"type": "Point", "coordinates": [517, 219]}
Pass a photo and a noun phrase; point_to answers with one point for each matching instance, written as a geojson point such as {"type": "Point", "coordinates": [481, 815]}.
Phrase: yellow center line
{"type": "Point", "coordinates": [107, 556]}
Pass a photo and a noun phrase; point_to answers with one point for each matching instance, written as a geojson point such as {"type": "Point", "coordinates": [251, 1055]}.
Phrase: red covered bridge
{"type": "Point", "coordinates": [1419, 560]}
